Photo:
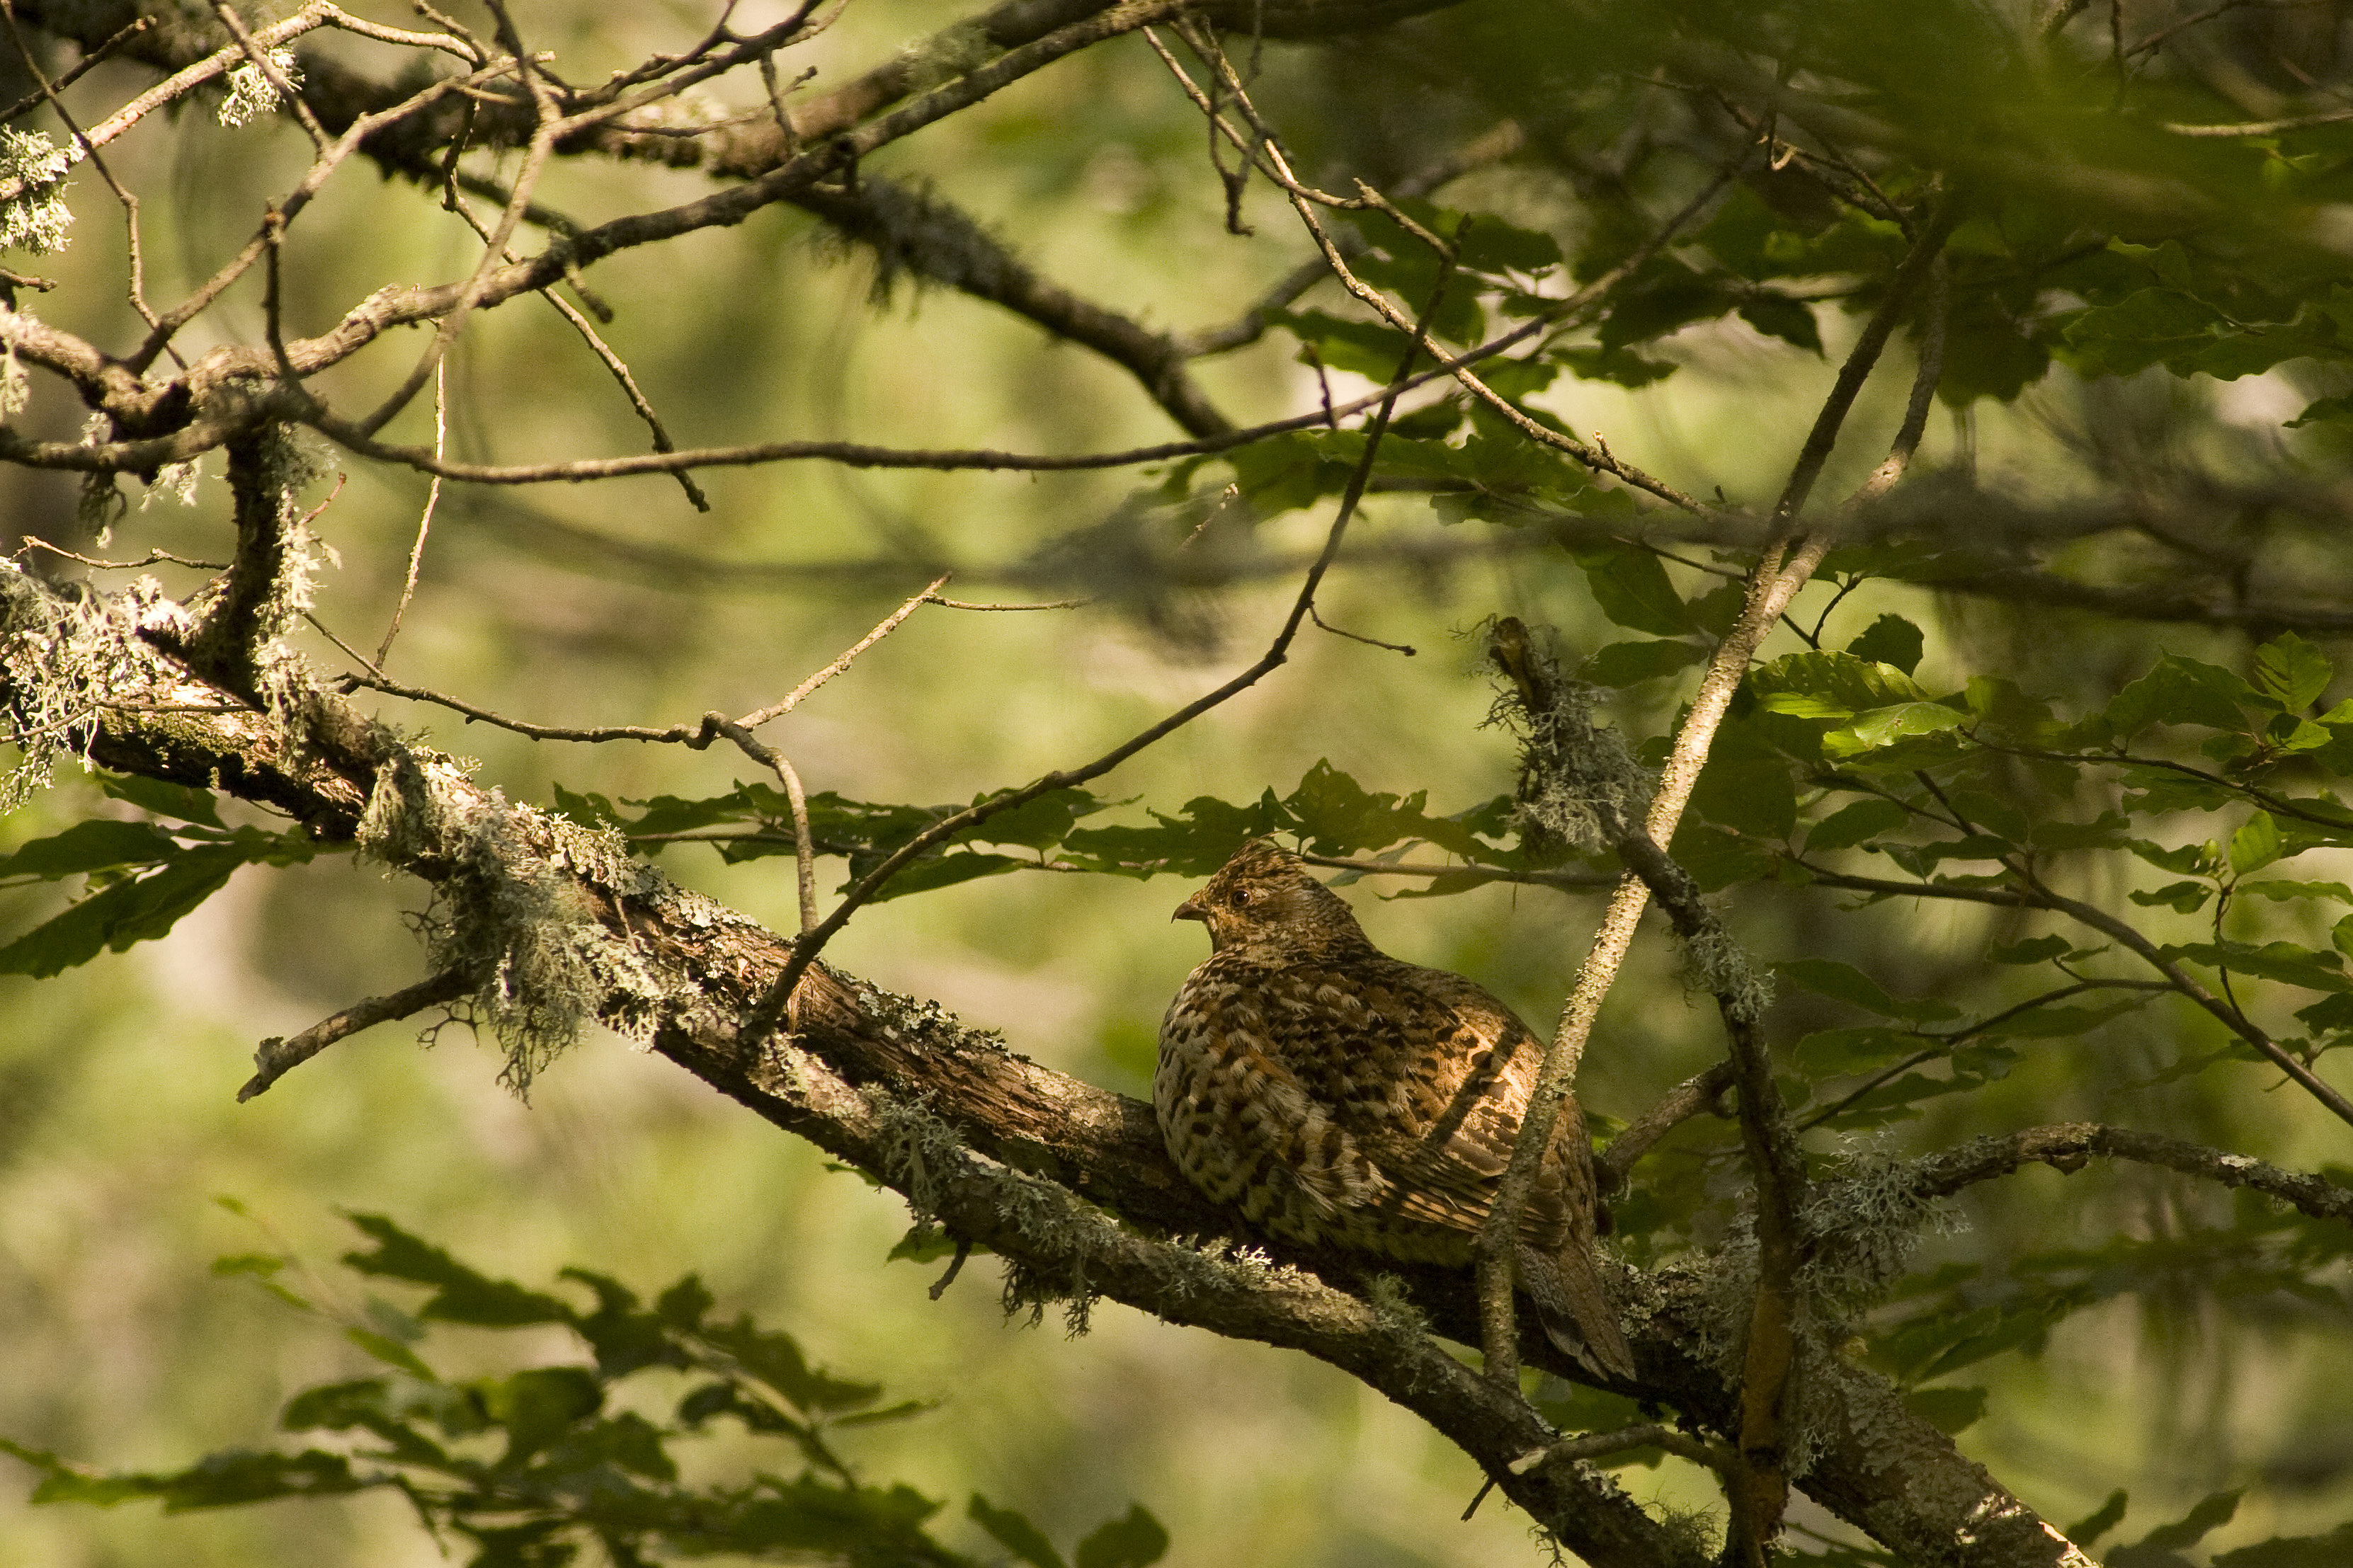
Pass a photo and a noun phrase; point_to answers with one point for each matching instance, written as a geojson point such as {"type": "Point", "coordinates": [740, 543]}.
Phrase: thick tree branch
{"type": "Point", "coordinates": [875, 1078]}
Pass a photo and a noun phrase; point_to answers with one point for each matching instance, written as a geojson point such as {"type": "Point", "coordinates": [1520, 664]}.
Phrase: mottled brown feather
{"type": "Point", "coordinates": [1339, 1097]}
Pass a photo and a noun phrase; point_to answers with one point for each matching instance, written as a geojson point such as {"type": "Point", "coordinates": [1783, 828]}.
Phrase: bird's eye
{"type": "Point", "coordinates": [1238, 897]}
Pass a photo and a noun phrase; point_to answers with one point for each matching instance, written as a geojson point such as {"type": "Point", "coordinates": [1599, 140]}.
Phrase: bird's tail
{"type": "Point", "coordinates": [1567, 1291]}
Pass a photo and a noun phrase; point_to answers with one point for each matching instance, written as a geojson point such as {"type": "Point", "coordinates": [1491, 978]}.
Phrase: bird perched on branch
{"type": "Point", "coordinates": [1342, 1098]}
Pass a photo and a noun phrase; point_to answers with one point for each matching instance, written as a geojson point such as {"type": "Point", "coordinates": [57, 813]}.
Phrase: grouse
{"type": "Point", "coordinates": [1340, 1097]}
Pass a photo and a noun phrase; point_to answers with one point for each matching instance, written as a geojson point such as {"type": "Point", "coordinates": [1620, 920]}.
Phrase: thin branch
{"type": "Point", "coordinates": [424, 520]}
{"type": "Point", "coordinates": [2066, 1146]}
{"type": "Point", "coordinates": [277, 1056]}
{"type": "Point", "coordinates": [882, 628]}
{"type": "Point", "coordinates": [1700, 1094]}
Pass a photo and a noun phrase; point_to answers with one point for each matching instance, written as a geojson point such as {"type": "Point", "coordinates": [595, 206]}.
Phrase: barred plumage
{"type": "Point", "coordinates": [1340, 1097]}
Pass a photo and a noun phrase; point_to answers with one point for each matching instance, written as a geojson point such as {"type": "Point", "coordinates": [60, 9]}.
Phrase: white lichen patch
{"type": "Point", "coordinates": [251, 94]}
{"type": "Point", "coordinates": [36, 217]}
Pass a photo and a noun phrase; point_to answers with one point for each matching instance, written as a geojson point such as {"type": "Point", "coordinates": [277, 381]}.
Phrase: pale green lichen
{"type": "Point", "coordinates": [67, 655]}
{"type": "Point", "coordinates": [1575, 775]}
{"type": "Point", "coordinates": [16, 384]}
{"type": "Point", "coordinates": [511, 913]}
{"type": "Point", "coordinates": [945, 56]}
{"type": "Point", "coordinates": [36, 217]}
{"type": "Point", "coordinates": [174, 481]}
{"type": "Point", "coordinates": [251, 94]}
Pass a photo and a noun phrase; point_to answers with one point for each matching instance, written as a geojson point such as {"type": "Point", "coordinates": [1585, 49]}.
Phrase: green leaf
{"type": "Point", "coordinates": [463, 1296]}
{"type": "Point", "coordinates": [1340, 817]}
{"type": "Point", "coordinates": [1745, 785]}
{"type": "Point", "coordinates": [1890, 639]}
{"type": "Point", "coordinates": [2101, 1520]}
{"type": "Point", "coordinates": [1014, 1531]}
{"type": "Point", "coordinates": [2033, 950]}
{"type": "Point", "coordinates": [102, 845]}
{"type": "Point", "coordinates": [2331, 1551]}
{"type": "Point", "coordinates": [2182, 898]}
{"type": "Point", "coordinates": [135, 909]}
{"type": "Point", "coordinates": [2293, 672]}
{"type": "Point", "coordinates": [2324, 411]}
{"type": "Point", "coordinates": [2053, 1022]}
{"type": "Point", "coordinates": [185, 802]}
{"type": "Point", "coordinates": [2211, 1514]}
{"type": "Point", "coordinates": [1778, 316]}
{"type": "Point", "coordinates": [2182, 691]}
{"type": "Point", "coordinates": [391, 1351]}
{"type": "Point", "coordinates": [1193, 844]}
{"type": "Point", "coordinates": [537, 1405]}
{"type": "Point", "coordinates": [1845, 982]}
{"type": "Point", "coordinates": [1632, 589]}
{"type": "Point", "coordinates": [2281, 961]}
{"type": "Point", "coordinates": [1949, 1410]}
{"type": "Point", "coordinates": [1136, 1541]}
{"type": "Point", "coordinates": [1882, 727]}
{"type": "Point", "coordinates": [1847, 1053]}
{"type": "Point", "coordinates": [2280, 891]}
{"type": "Point", "coordinates": [1716, 860]}
{"type": "Point", "coordinates": [1622, 664]}
{"type": "Point", "coordinates": [2255, 844]}
{"type": "Point", "coordinates": [1854, 823]}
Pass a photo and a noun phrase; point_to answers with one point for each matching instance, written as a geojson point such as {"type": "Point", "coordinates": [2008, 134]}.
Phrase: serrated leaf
{"type": "Point", "coordinates": [2211, 1514]}
{"type": "Point", "coordinates": [185, 802]}
{"type": "Point", "coordinates": [1845, 982]}
{"type": "Point", "coordinates": [1890, 639]}
{"type": "Point", "coordinates": [1854, 823]}
{"type": "Point", "coordinates": [1134, 1540]}
{"type": "Point", "coordinates": [1622, 664]}
{"type": "Point", "coordinates": [2255, 844]}
{"type": "Point", "coordinates": [135, 909]}
{"type": "Point", "coordinates": [2333, 1550]}
{"type": "Point", "coordinates": [2292, 671]}
{"type": "Point", "coordinates": [1012, 1529]}
{"type": "Point", "coordinates": [2106, 1517]}
{"type": "Point", "coordinates": [102, 845]}
{"type": "Point", "coordinates": [1632, 589]}
{"type": "Point", "coordinates": [2281, 961]}
{"type": "Point", "coordinates": [463, 1295]}
{"type": "Point", "coordinates": [1882, 727]}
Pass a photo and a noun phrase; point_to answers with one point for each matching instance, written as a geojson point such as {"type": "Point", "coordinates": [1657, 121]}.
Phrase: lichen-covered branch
{"type": "Point", "coordinates": [566, 926]}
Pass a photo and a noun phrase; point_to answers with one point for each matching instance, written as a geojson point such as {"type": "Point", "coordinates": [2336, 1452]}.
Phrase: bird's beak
{"type": "Point", "coordinates": [1191, 909]}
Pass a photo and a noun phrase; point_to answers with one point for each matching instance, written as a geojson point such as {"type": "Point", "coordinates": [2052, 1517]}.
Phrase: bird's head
{"type": "Point", "coordinates": [1264, 903]}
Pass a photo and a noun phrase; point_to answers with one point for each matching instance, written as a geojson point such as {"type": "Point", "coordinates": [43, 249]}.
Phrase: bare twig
{"type": "Point", "coordinates": [277, 1056]}
{"type": "Point", "coordinates": [2066, 1146]}
{"type": "Point", "coordinates": [425, 520]}
{"type": "Point", "coordinates": [1697, 1096]}
{"type": "Point", "coordinates": [882, 628]}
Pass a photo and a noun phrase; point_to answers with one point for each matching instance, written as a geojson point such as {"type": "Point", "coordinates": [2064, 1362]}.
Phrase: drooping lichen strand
{"type": "Point", "coordinates": [1576, 776]}
{"type": "Point", "coordinates": [511, 912]}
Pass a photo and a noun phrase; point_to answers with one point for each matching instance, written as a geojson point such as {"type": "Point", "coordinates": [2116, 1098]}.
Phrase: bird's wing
{"type": "Point", "coordinates": [1429, 1074]}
